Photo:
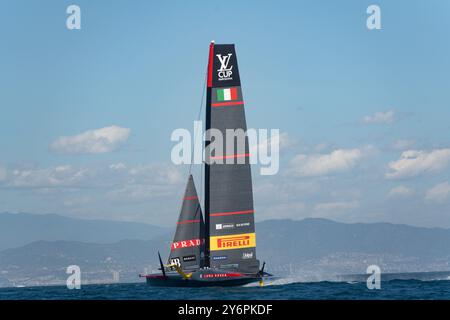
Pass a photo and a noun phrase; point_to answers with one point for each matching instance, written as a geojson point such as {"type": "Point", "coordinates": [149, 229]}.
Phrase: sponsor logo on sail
{"type": "Point", "coordinates": [242, 224]}
{"type": "Point", "coordinates": [230, 266]}
{"type": "Point", "coordinates": [247, 255]}
{"type": "Point", "coordinates": [186, 244]}
{"type": "Point", "coordinates": [225, 71]}
{"type": "Point", "coordinates": [219, 275]}
{"type": "Point", "coordinates": [175, 261]}
{"type": "Point", "coordinates": [220, 226]}
{"type": "Point", "coordinates": [233, 242]}
{"type": "Point", "coordinates": [189, 258]}
{"type": "Point", "coordinates": [236, 241]}
{"type": "Point", "coordinates": [219, 258]}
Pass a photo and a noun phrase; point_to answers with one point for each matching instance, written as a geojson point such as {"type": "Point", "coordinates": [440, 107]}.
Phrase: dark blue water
{"type": "Point", "coordinates": [395, 289]}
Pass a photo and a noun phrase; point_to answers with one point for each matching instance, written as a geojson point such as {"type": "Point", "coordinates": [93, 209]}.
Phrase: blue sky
{"type": "Point", "coordinates": [364, 114]}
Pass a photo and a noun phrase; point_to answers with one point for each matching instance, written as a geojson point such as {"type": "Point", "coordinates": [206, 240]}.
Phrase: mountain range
{"type": "Point", "coordinates": [38, 248]}
{"type": "Point", "coordinates": [18, 229]}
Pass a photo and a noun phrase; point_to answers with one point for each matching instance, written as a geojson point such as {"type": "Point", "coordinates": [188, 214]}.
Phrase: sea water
{"type": "Point", "coordinates": [393, 289]}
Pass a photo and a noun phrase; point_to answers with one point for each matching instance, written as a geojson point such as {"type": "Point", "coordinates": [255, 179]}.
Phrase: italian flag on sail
{"type": "Point", "coordinates": [227, 94]}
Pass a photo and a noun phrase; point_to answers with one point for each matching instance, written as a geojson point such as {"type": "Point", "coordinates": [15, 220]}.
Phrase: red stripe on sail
{"type": "Point", "coordinates": [220, 214]}
{"type": "Point", "coordinates": [188, 221]}
{"type": "Point", "coordinates": [190, 198]}
{"type": "Point", "coordinates": [210, 64]}
{"type": "Point", "coordinates": [231, 156]}
{"type": "Point", "coordinates": [224, 104]}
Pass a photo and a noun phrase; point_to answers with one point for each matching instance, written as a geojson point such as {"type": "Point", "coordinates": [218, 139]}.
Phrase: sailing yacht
{"type": "Point", "coordinates": [219, 250]}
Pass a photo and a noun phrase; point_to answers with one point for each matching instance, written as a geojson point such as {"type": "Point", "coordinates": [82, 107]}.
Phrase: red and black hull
{"type": "Point", "coordinates": [203, 278]}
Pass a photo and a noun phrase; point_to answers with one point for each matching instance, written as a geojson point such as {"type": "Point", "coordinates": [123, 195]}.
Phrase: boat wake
{"type": "Point", "coordinates": [286, 280]}
{"type": "Point", "coordinates": [281, 281]}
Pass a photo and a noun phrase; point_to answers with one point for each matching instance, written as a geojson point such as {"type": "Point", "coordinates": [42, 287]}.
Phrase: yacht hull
{"type": "Point", "coordinates": [203, 278]}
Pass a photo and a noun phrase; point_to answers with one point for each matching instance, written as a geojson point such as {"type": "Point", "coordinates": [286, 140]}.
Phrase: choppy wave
{"type": "Point", "coordinates": [289, 287]}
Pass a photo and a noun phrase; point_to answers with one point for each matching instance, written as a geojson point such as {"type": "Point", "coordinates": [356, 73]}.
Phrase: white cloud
{"type": "Point", "coordinates": [118, 166]}
{"type": "Point", "coordinates": [414, 162]}
{"type": "Point", "coordinates": [3, 173]}
{"type": "Point", "coordinates": [322, 164]}
{"type": "Point", "coordinates": [400, 191]}
{"type": "Point", "coordinates": [380, 117]}
{"type": "Point", "coordinates": [147, 192]}
{"type": "Point", "coordinates": [113, 176]}
{"type": "Point", "coordinates": [320, 147]}
{"type": "Point", "coordinates": [282, 210]}
{"type": "Point", "coordinates": [283, 190]}
{"type": "Point", "coordinates": [146, 182]}
{"type": "Point", "coordinates": [336, 206]}
{"type": "Point", "coordinates": [59, 176]}
{"type": "Point", "coordinates": [403, 144]}
{"type": "Point", "coordinates": [287, 141]}
{"type": "Point", "coordinates": [284, 141]}
{"type": "Point", "coordinates": [439, 193]}
{"type": "Point", "coordinates": [92, 141]}
{"type": "Point", "coordinates": [157, 173]}
{"type": "Point", "coordinates": [139, 192]}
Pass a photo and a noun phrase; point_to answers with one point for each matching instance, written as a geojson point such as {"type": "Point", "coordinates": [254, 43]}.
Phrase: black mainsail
{"type": "Point", "coordinates": [229, 213]}
{"type": "Point", "coordinates": [187, 247]}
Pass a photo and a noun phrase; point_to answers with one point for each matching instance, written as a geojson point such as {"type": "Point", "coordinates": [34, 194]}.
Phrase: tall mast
{"type": "Point", "coordinates": [207, 142]}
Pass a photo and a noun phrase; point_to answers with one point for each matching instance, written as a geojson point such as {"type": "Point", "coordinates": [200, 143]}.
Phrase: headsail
{"type": "Point", "coordinates": [187, 247]}
{"type": "Point", "coordinates": [230, 239]}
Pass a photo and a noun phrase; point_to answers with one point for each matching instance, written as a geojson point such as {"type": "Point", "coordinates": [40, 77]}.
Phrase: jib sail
{"type": "Point", "coordinates": [187, 248]}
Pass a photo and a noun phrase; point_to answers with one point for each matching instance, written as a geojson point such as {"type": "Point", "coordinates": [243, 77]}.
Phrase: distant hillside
{"type": "Point", "coordinates": [22, 228]}
{"type": "Point", "coordinates": [314, 249]}
{"type": "Point", "coordinates": [45, 262]}
{"type": "Point", "coordinates": [313, 238]}
{"type": "Point", "coordinates": [320, 244]}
